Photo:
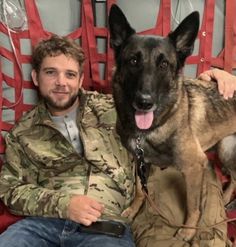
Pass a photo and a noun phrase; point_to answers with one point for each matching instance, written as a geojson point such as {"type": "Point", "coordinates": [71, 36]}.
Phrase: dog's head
{"type": "Point", "coordinates": [147, 67]}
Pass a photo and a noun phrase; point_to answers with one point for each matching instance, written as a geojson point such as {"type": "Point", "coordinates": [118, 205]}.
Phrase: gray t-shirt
{"type": "Point", "coordinates": [67, 126]}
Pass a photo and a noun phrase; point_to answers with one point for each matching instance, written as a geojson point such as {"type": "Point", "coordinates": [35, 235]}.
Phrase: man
{"type": "Point", "coordinates": [65, 166]}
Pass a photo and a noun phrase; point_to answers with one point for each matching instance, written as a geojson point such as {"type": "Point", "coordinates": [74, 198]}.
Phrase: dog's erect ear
{"type": "Point", "coordinates": [184, 35]}
{"type": "Point", "coordinates": [120, 29]}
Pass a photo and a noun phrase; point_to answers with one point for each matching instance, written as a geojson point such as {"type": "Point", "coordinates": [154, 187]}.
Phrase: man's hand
{"type": "Point", "coordinates": [226, 81]}
{"type": "Point", "coordinates": [84, 210]}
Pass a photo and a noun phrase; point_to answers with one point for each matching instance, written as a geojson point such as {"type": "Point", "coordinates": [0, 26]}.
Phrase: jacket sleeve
{"type": "Point", "coordinates": [19, 189]}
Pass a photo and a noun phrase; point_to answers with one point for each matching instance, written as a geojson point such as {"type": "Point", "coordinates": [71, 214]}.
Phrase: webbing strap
{"type": "Point", "coordinates": [109, 54]}
{"type": "Point", "coordinates": [91, 40]}
{"type": "Point", "coordinates": [36, 30]}
{"type": "Point", "coordinates": [205, 36]}
{"type": "Point", "coordinates": [84, 43]}
{"type": "Point", "coordinates": [162, 26]}
{"type": "Point", "coordinates": [17, 82]}
{"type": "Point", "coordinates": [96, 58]}
{"type": "Point", "coordinates": [227, 57]}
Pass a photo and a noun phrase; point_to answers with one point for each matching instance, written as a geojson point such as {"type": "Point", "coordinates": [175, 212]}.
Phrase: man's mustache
{"type": "Point", "coordinates": [60, 90]}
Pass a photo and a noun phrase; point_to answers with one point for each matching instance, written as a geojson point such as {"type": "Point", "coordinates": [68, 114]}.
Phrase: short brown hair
{"type": "Point", "coordinates": [54, 46]}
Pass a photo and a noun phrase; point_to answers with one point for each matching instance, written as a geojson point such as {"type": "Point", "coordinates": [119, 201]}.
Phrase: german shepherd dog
{"type": "Point", "coordinates": [174, 119]}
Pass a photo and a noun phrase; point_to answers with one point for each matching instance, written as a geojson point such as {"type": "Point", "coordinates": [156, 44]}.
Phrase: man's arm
{"type": "Point", "coordinates": [226, 81]}
{"type": "Point", "coordinates": [19, 189]}
{"type": "Point", "coordinates": [24, 196]}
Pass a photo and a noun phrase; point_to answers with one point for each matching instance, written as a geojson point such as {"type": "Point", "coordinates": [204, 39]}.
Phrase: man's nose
{"type": "Point", "coordinates": [61, 79]}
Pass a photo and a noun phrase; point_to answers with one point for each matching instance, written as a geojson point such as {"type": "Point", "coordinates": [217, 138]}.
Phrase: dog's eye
{"type": "Point", "coordinates": [164, 64]}
{"type": "Point", "coordinates": [133, 61]}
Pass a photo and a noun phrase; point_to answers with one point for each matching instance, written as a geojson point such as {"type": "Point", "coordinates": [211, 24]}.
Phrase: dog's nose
{"type": "Point", "coordinates": [144, 101]}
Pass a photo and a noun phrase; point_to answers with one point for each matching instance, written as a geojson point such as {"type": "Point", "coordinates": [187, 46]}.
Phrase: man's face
{"type": "Point", "coordinates": [59, 81]}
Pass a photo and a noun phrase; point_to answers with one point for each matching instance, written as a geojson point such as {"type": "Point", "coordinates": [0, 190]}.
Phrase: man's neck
{"type": "Point", "coordinates": [58, 112]}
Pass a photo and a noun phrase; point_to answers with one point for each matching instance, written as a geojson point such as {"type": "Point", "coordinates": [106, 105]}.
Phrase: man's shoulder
{"type": "Point", "coordinates": [26, 121]}
{"type": "Point", "coordinates": [100, 98]}
{"type": "Point", "coordinates": [102, 105]}
{"type": "Point", "coordinates": [100, 102]}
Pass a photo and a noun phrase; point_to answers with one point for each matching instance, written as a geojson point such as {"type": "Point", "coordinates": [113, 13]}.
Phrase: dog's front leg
{"type": "Point", "coordinates": [133, 209]}
{"type": "Point", "coordinates": [229, 191]}
{"type": "Point", "coordinates": [193, 175]}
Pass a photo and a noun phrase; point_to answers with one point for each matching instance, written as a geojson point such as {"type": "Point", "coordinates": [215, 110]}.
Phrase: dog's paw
{"type": "Point", "coordinates": [185, 234]}
{"type": "Point", "coordinates": [135, 206]}
{"type": "Point", "coordinates": [129, 213]}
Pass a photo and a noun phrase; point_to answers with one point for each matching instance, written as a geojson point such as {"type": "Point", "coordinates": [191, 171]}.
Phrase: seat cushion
{"type": "Point", "coordinates": [6, 218]}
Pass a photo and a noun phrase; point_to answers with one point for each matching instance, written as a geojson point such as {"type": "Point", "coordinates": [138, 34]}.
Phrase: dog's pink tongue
{"type": "Point", "coordinates": [143, 119]}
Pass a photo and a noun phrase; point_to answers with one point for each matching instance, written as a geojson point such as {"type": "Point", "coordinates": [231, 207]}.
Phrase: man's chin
{"type": "Point", "coordinates": [60, 105]}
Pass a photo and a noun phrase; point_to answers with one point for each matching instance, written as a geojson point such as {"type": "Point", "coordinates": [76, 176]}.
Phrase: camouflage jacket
{"type": "Point", "coordinates": [43, 170]}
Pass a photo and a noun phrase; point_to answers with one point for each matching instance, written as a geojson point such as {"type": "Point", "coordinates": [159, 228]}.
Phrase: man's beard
{"type": "Point", "coordinates": [59, 105]}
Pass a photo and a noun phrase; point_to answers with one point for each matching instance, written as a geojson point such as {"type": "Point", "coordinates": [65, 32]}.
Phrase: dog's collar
{"type": "Point", "coordinates": [141, 169]}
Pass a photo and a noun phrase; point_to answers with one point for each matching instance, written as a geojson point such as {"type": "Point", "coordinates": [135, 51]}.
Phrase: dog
{"type": "Point", "coordinates": [173, 119]}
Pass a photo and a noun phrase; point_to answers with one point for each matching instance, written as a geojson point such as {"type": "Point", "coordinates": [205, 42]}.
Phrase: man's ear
{"type": "Point", "coordinates": [81, 80]}
{"type": "Point", "coordinates": [34, 78]}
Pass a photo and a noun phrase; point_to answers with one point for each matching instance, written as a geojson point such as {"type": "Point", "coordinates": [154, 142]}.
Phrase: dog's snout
{"type": "Point", "coordinates": [144, 101]}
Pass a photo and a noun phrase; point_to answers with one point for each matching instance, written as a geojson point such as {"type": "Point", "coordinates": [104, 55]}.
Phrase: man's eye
{"type": "Point", "coordinates": [71, 75]}
{"type": "Point", "coordinates": [50, 72]}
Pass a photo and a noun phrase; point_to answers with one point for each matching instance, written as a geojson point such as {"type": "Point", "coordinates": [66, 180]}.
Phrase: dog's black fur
{"type": "Point", "coordinates": [176, 119]}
